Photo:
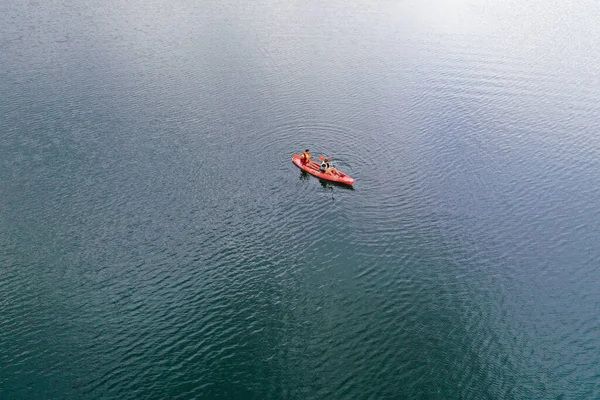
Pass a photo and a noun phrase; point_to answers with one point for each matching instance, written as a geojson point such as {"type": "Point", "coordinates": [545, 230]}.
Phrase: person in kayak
{"type": "Point", "coordinates": [305, 157]}
{"type": "Point", "coordinates": [326, 167]}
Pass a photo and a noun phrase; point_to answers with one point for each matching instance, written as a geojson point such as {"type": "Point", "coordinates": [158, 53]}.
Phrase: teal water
{"type": "Point", "coordinates": [157, 242]}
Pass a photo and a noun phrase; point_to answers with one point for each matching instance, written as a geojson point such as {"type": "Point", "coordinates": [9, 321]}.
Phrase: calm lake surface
{"type": "Point", "coordinates": [156, 242]}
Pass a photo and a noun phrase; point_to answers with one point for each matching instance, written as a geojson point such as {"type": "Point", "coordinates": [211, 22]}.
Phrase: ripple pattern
{"type": "Point", "coordinates": [157, 242]}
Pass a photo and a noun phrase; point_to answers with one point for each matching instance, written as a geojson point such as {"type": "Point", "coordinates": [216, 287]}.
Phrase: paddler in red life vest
{"type": "Point", "coordinates": [305, 157]}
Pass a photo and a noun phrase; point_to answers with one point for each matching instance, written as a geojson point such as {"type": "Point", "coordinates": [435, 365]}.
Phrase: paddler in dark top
{"type": "Point", "coordinates": [305, 157]}
{"type": "Point", "coordinates": [325, 165]}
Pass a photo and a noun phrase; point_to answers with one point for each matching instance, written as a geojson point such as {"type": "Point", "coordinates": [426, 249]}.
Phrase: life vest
{"type": "Point", "coordinates": [305, 157]}
{"type": "Point", "coordinates": [324, 165]}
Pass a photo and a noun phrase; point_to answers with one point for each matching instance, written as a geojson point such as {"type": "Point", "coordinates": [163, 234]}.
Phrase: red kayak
{"type": "Point", "coordinates": [314, 168]}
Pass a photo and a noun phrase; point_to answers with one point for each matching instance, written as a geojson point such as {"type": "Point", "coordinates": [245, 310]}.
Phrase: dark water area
{"type": "Point", "coordinates": [157, 242]}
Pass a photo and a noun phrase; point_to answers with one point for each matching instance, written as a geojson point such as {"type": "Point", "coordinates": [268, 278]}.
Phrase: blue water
{"type": "Point", "coordinates": [157, 242]}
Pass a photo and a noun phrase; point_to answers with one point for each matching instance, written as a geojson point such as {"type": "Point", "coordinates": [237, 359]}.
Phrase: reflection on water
{"type": "Point", "coordinates": [331, 185]}
{"type": "Point", "coordinates": [304, 176]}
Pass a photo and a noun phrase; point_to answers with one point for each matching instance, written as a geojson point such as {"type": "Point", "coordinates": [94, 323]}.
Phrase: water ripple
{"type": "Point", "coordinates": [157, 242]}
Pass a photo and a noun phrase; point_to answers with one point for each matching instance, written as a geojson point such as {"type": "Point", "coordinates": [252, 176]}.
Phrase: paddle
{"type": "Point", "coordinates": [322, 158]}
